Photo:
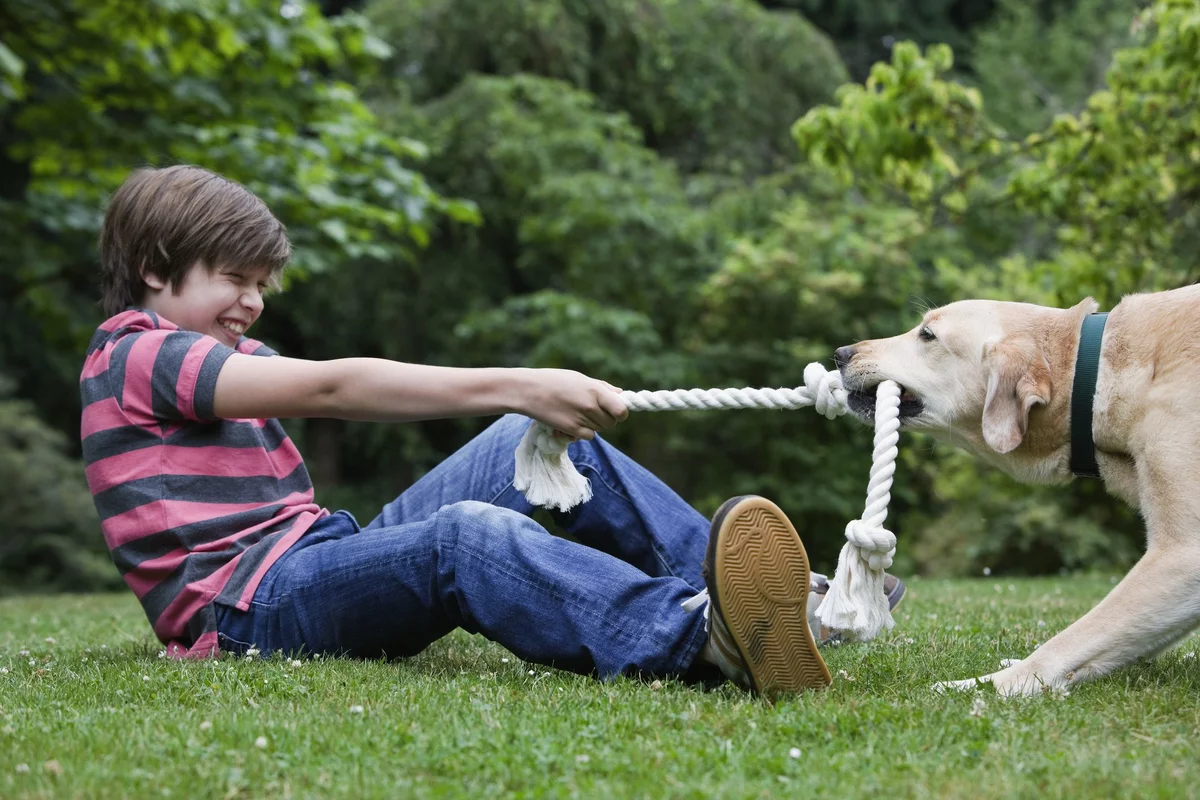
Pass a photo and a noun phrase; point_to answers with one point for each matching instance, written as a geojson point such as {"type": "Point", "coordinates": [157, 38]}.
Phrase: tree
{"type": "Point", "coordinates": [52, 539]}
{"type": "Point", "coordinates": [251, 89]}
{"type": "Point", "coordinates": [712, 84]}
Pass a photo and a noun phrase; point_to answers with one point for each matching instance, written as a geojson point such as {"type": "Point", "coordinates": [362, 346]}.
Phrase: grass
{"type": "Point", "coordinates": [88, 709]}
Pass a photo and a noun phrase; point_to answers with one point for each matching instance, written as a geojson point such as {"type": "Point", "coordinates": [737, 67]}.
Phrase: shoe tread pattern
{"type": "Point", "coordinates": [762, 572]}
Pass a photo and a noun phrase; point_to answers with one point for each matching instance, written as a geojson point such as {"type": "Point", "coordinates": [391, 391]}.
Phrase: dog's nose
{"type": "Point", "coordinates": [842, 356]}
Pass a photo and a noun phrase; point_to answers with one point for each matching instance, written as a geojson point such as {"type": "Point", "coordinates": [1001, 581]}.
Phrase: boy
{"type": "Point", "coordinates": [208, 510]}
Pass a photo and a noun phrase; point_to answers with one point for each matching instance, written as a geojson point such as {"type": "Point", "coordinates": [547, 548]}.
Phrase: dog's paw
{"type": "Point", "coordinates": [968, 685]}
{"type": "Point", "coordinates": [1016, 679]}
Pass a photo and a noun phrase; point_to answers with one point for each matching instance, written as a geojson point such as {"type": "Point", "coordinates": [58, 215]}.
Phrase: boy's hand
{"type": "Point", "coordinates": [572, 403]}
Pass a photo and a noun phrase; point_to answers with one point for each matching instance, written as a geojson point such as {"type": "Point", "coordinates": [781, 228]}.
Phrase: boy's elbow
{"type": "Point", "coordinates": [326, 396]}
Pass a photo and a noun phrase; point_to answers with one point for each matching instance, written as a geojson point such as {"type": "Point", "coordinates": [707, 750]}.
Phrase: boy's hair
{"type": "Point", "coordinates": [166, 220]}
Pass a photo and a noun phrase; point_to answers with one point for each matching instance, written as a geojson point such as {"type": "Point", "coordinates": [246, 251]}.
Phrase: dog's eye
{"type": "Point", "coordinates": [926, 335]}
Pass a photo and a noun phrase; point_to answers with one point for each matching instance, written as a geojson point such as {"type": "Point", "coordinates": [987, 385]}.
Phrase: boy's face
{"type": "Point", "coordinates": [222, 302]}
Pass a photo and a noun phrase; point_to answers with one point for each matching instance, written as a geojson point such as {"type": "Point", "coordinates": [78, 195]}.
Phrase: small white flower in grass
{"type": "Point", "coordinates": [978, 707]}
{"type": "Point", "coordinates": [206, 726]}
{"type": "Point", "coordinates": [958, 627]}
{"type": "Point", "coordinates": [654, 686]}
{"type": "Point", "coordinates": [582, 758]}
{"type": "Point", "coordinates": [103, 647]}
{"type": "Point", "coordinates": [987, 571]}
{"type": "Point", "coordinates": [252, 653]}
{"type": "Point", "coordinates": [504, 661]}
{"type": "Point", "coordinates": [845, 675]}
{"type": "Point", "coordinates": [3, 670]}
{"type": "Point", "coordinates": [51, 640]}
{"type": "Point", "coordinates": [22, 769]}
{"type": "Point", "coordinates": [530, 672]}
{"type": "Point", "coordinates": [794, 752]}
{"type": "Point", "coordinates": [162, 653]}
{"type": "Point", "coordinates": [1185, 655]}
{"type": "Point", "coordinates": [297, 662]}
{"type": "Point", "coordinates": [32, 663]}
{"type": "Point", "coordinates": [356, 709]}
{"type": "Point", "coordinates": [23, 653]}
{"type": "Point", "coordinates": [1041, 623]}
{"type": "Point", "coordinates": [145, 679]}
{"type": "Point", "coordinates": [261, 743]}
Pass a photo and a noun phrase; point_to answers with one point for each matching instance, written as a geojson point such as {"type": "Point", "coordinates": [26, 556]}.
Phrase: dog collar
{"type": "Point", "coordinates": [1083, 396]}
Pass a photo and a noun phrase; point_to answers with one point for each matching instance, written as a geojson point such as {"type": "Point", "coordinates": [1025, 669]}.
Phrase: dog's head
{"type": "Point", "coordinates": [972, 371]}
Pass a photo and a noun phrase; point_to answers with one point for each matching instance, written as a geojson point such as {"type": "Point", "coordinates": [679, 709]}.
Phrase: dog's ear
{"type": "Point", "coordinates": [1018, 379]}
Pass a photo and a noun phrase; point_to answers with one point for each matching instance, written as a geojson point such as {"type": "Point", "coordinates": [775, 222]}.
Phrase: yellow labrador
{"type": "Point", "coordinates": [996, 378]}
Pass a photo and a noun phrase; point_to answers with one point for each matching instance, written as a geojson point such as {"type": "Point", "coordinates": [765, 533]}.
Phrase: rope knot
{"type": "Point", "coordinates": [550, 444]}
{"type": "Point", "coordinates": [825, 387]}
{"type": "Point", "coordinates": [877, 545]}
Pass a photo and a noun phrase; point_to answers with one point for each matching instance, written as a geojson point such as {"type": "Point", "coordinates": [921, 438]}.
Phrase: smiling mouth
{"type": "Point", "coordinates": [862, 403]}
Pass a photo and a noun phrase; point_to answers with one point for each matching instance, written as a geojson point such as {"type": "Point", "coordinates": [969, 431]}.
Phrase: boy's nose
{"type": "Point", "coordinates": [252, 299]}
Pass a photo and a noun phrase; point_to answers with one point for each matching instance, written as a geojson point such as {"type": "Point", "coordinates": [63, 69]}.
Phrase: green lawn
{"type": "Point", "coordinates": [87, 708]}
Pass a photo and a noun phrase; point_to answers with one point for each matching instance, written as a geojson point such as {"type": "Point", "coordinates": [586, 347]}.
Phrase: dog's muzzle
{"type": "Point", "coordinates": [861, 397]}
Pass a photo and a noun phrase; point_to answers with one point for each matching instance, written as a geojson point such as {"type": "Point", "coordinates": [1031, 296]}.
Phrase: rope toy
{"type": "Point", "coordinates": [855, 604]}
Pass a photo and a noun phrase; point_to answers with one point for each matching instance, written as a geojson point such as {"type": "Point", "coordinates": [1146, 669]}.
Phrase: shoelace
{"type": "Point", "coordinates": [692, 603]}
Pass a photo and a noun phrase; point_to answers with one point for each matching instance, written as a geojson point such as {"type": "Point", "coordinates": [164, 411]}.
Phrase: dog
{"type": "Point", "coordinates": [996, 378]}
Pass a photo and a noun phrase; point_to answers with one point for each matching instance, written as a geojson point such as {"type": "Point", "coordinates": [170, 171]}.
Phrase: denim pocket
{"type": "Point", "coordinates": [235, 629]}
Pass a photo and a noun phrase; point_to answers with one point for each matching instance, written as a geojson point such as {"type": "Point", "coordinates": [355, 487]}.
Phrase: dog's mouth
{"type": "Point", "coordinates": [862, 402]}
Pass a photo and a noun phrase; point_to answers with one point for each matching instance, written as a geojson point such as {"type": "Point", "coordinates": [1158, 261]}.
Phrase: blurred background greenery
{"type": "Point", "coordinates": [661, 193]}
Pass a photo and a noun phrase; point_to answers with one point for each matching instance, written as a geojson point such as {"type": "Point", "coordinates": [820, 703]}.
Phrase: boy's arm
{"type": "Point", "coordinates": [381, 390]}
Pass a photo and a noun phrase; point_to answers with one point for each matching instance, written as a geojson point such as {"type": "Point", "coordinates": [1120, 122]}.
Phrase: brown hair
{"type": "Point", "coordinates": [166, 220]}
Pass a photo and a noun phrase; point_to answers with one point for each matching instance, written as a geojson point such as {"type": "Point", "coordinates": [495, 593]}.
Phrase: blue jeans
{"type": "Point", "coordinates": [459, 550]}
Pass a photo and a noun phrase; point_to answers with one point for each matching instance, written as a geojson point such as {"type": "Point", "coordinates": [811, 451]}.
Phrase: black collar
{"type": "Point", "coordinates": [1083, 395]}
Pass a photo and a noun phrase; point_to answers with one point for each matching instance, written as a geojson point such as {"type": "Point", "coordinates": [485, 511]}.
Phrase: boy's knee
{"type": "Point", "coordinates": [472, 518]}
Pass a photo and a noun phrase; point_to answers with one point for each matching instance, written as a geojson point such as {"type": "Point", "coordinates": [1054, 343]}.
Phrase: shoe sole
{"type": "Point", "coordinates": [761, 578]}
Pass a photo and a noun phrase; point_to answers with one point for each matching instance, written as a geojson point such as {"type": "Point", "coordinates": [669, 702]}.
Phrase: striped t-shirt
{"type": "Point", "coordinates": [194, 509]}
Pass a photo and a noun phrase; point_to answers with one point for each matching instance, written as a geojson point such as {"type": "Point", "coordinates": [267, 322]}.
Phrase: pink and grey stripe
{"type": "Point", "coordinates": [194, 509]}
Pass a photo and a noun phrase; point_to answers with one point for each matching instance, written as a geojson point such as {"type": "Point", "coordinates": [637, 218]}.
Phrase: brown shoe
{"type": "Point", "coordinates": [757, 575]}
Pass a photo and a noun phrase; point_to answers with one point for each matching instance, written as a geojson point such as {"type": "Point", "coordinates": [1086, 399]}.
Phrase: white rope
{"type": "Point", "coordinates": [855, 604]}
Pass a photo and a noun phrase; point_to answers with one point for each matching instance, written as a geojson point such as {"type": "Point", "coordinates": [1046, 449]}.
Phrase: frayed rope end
{"type": "Point", "coordinates": [544, 473]}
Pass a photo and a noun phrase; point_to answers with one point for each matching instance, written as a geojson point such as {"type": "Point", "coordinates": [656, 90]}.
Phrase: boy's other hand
{"type": "Point", "coordinates": [572, 403]}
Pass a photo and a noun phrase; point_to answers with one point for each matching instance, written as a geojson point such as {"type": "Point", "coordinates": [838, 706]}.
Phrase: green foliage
{"type": "Point", "coordinates": [633, 208]}
{"type": "Point", "coordinates": [250, 89]}
{"type": "Point", "coordinates": [713, 84]}
{"type": "Point", "coordinates": [865, 30]}
{"type": "Point", "coordinates": [1116, 182]}
{"type": "Point", "coordinates": [51, 538]}
{"type": "Point", "coordinates": [1101, 202]}
{"type": "Point", "coordinates": [1030, 68]}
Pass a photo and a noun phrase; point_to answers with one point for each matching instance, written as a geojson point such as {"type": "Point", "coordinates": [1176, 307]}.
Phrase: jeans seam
{"type": "Point", "coordinates": [647, 632]}
{"type": "Point", "coordinates": [659, 554]}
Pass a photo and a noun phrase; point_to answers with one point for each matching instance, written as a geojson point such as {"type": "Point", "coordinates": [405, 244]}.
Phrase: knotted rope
{"type": "Point", "coordinates": [855, 604]}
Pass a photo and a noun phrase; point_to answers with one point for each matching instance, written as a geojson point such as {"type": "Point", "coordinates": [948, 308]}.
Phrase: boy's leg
{"type": "Point", "coordinates": [632, 515]}
{"type": "Point", "coordinates": [394, 589]}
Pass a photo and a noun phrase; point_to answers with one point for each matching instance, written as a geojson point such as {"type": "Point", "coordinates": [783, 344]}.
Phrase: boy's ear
{"type": "Point", "coordinates": [153, 281]}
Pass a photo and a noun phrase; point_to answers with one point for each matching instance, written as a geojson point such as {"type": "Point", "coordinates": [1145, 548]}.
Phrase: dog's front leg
{"type": "Point", "coordinates": [1156, 603]}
